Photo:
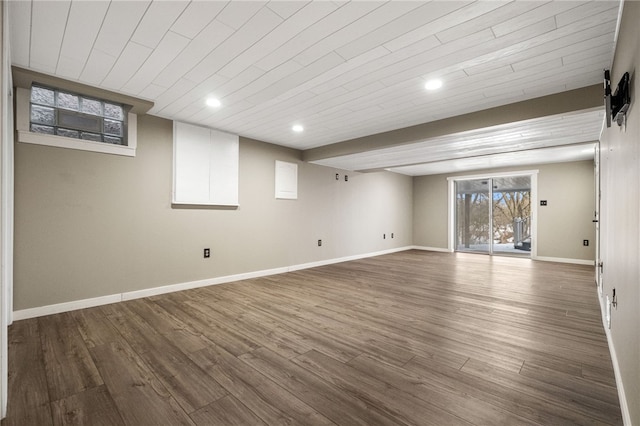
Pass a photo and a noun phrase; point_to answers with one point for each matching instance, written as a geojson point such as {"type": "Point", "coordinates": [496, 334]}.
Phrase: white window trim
{"type": "Point", "coordinates": [26, 136]}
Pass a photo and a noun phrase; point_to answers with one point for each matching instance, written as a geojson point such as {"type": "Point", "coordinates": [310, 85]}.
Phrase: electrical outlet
{"type": "Point", "coordinates": [585, 243]}
{"type": "Point", "coordinates": [543, 202]}
{"type": "Point", "coordinates": [392, 235]}
{"type": "Point", "coordinates": [319, 243]}
{"type": "Point", "coordinates": [346, 178]}
{"type": "Point", "coordinates": [384, 236]}
{"type": "Point", "coordinates": [337, 176]}
{"type": "Point", "coordinates": [207, 253]}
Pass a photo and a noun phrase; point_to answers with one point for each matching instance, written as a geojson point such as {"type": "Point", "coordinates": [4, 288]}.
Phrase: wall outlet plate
{"type": "Point", "coordinates": [543, 202]}
{"type": "Point", "coordinates": [207, 253]}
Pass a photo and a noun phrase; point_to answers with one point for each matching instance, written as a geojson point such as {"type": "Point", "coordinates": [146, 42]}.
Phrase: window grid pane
{"type": "Point", "coordinates": [68, 133]}
{"type": "Point", "coordinates": [43, 115]}
{"type": "Point", "coordinates": [91, 136]}
{"type": "Point", "coordinates": [111, 139]}
{"type": "Point", "coordinates": [91, 106]}
{"type": "Point", "coordinates": [42, 96]}
{"type": "Point", "coordinates": [45, 119]}
{"type": "Point", "coordinates": [113, 111]}
{"type": "Point", "coordinates": [112, 127]}
{"type": "Point", "coordinates": [68, 101]}
{"type": "Point", "coordinates": [47, 130]}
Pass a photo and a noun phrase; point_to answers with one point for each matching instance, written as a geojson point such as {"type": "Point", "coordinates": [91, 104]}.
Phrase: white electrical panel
{"type": "Point", "coordinates": [286, 180]}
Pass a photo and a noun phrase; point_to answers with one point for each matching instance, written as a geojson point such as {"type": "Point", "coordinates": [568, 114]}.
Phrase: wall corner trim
{"type": "Point", "coordinates": [137, 294]}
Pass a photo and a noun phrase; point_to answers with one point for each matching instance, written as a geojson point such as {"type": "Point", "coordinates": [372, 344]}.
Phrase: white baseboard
{"type": "Point", "coordinates": [565, 260]}
{"type": "Point", "coordinates": [541, 258]}
{"type": "Point", "coordinates": [154, 291]}
{"type": "Point", "coordinates": [438, 249]}
{"type": "Point", "coordinates": [137, 294]}
{"type": "Point", "coordinates": [345, 259]}
{"type": "Point", "coordinates": [65, 307]}
{"type": "Point", "coordinates": [624, 407]}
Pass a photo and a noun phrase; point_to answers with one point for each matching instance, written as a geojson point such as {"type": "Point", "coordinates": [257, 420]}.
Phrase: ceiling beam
{"type": "Point", "coordinates": [559, 103]}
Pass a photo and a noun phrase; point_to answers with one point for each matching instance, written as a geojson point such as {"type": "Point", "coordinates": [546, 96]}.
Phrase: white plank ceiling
{"type": "Point", "coordinates": [341, 69]}
{"type": "Point", "coordinates": [519, 143]}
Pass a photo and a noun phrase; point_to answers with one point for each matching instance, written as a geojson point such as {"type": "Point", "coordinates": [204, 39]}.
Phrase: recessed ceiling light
{"type": "Point", "coordinates": [297, 128]}
{"type": "Point", "coordinates": [434, 84]}
{"type": "Point", "coordinates": [213, 102]}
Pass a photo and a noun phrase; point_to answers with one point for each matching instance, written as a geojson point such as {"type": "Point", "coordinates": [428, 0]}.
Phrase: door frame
{"type": "Point", "coordinates": [596, 216]}
{"type": "Point", "coordinates": [451, 204]}
{"type": "Point", "coordinates": [6, 204]}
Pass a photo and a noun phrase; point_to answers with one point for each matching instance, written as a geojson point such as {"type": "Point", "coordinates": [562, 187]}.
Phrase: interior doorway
{"type": "Point", "coordinates": [493, 215]}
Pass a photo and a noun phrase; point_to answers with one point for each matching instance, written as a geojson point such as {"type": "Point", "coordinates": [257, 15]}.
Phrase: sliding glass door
{"type": "Point", "coordinates": [493, 215]}
{"type": "Point", "coordinates": [473, 213]}
{"type": "Point", "coordinates": [512, 215]}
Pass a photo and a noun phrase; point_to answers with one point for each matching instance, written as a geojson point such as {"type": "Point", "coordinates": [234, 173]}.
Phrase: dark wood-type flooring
{"type": "Point", "coordinates": [414, 338]}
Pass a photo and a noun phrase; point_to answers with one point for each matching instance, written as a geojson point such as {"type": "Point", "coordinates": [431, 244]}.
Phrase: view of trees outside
{"type": "Point", "coordinates": [472, 221]}
{"type": "Point", "coordinates": [507, 208]}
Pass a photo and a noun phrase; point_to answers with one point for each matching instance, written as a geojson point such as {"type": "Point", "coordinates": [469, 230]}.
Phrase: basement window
{"type": "Point", "coordinates": [54, 112]}
{"type": "Point", "coordinates": [61, 118]}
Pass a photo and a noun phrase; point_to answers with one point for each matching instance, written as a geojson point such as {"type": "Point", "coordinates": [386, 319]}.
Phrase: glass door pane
{"type": "Point", "coordinates": [473, 215]}
{"type": "Point", "coordinates": [512, 215]}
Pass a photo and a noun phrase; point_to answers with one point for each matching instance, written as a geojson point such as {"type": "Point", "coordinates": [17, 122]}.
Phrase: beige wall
{"type": "Point", "coordinates": [430, 212]}
{"type": "Point", "coordinates": [562, 224]}
{"type": "Point", "coordinates": [567, 219]}
{"type": "Point", "coordinates": [90, 224]}
{"type": "Point", "coordinates": [620, 216]}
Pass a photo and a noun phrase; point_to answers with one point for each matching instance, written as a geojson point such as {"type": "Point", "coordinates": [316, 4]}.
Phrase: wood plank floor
{"type": "Point", "coordinates": [415, 338]}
